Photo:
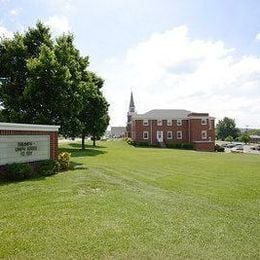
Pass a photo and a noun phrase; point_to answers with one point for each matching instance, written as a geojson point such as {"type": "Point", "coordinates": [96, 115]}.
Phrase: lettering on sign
{"type": "Point", "coordinates": [26, 148]}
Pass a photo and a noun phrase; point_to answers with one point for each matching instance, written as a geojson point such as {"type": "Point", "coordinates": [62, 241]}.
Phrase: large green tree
{"type": "Point", "coordinates": [44, 81]}
{"type": "Point", "coordinates": [14, 55]}
{"type": "Point", "coordinates": [227, 128]}
{"type": "Point", "coordinates": [94, 115]}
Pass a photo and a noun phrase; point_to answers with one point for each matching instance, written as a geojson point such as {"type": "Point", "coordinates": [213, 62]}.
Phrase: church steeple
{"type": "Point", "coordinates": [132, 104]}
{"type": "Point", "coordinates": [130, 114]}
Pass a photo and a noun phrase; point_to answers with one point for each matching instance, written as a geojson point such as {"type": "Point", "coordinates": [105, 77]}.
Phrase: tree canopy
{"type": "Point", "coordinates": [94, 115]}
{"type": "Point", "coordinates": [47, 81]}
{"type": "Point", "coordinates": [245, 138]}
{"type": "Point", "coordinates": [227, 128]}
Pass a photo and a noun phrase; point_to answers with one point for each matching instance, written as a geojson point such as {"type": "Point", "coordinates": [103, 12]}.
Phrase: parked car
{"type": "Point", "coordinates": [225, 145]}
{"type": "Point", "coordinates": [238, 148]}
{"type": "Point", "coordinates": [232, 145]}
{"type": "Point", "coordinates": [256, 148]}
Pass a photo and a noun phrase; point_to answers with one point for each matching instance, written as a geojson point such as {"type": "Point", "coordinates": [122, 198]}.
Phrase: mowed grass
{"type": "Point", "coordinates": [124, 202]}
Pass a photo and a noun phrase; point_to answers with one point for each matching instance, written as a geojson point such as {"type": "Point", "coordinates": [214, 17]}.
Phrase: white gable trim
{"type": "Point", "coordinates": [28, 127]}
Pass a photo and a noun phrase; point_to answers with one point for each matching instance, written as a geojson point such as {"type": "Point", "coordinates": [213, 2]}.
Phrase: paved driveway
{"type": "Point", "coordinates": [246, 149]}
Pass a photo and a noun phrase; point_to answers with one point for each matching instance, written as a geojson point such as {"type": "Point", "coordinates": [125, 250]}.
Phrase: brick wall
{"type": "Point", "coordinates": [191, 132]}
{"type": "Point", "coordinates": [207, 146]}
{"type": "Point", "coordinates": [196, 128]}
{"type": "Point", "coordinates": [152, 128]}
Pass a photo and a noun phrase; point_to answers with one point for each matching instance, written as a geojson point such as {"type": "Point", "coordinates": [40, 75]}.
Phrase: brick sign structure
{"type": "Point", "coordinates": [20, 143]}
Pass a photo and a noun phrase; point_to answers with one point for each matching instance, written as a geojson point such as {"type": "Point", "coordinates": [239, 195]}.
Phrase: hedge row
{"type": "Point", "coordinates": [22, 171]}
{"type": "Point", "coordinates": [180, 146]}
{"type": "Point", "coordinates": [130, 141]}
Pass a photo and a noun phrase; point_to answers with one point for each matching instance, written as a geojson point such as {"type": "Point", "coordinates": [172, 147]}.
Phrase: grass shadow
{"type": "Point", "coordinates": [75, 150]}
{"type": "Point", "coordinates": [73, 167]}
{"type": "Point", "coordinates": [78, 145]}
{"type": "Point", "coordinates": [77, 166]}
{"type": "Point", "coordinates": [4, 182]}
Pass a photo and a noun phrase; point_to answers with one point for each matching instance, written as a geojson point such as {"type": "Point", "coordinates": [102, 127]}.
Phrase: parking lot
{"type": "Point", "coordinates": [240, 148]}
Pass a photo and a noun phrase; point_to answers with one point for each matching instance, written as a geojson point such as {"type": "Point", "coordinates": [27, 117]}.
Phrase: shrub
{"type": "Point", "coordinates": [48, 167]}
{"type": "Point", "coordinates": [22, 171]}
{"type": "Point", "coordinates": [146, 144]}
{"type": "Point", "coordinates": [173, 146]}
{"type": "Point", "coordinates": [130, 141]}
{"type": "Point", "coordinates": [18, 171]}
{"type": "Point", "coordinates": [180, 146]}
{"type": "Point", "coordinates": [219, 148]}
{"type": "Point", "coordinates": [143, 144]}
{"type": "Point", "coordinates": [187, 146]}
{"type": "Point", "coordinates": [64, 160]}
{"type": "Point", "coordinates": [229, 139]}
{"type": "Point", "coordinates": [154, 145]}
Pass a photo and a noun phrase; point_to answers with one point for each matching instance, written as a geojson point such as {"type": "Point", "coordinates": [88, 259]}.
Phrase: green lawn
{"type": "Point", "coordinates": [125, 202]}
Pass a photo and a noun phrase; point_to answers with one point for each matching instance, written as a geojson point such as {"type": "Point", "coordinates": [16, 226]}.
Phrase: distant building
{"type": "Point", "coordinates": [171, 126]}
{"type": "Point", "coordinates": [255, 138]}
{"type": "Point", "coordinates": [118, 131]}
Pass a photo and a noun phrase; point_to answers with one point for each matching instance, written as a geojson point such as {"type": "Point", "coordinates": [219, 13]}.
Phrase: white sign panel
{"type": "Point", "coordinates": [24, 148]}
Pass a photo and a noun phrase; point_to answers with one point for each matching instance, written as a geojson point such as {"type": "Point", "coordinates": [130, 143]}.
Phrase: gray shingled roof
{"type": "Point", "coordinates": [163, 114]}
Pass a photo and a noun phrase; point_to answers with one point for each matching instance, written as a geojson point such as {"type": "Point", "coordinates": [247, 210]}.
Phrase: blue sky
{"type": "Point", "coordinates": [201, 55]}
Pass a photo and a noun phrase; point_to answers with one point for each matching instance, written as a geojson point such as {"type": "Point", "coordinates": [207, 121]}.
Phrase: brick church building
{"type": "Point", "coordinates": [171, 126]}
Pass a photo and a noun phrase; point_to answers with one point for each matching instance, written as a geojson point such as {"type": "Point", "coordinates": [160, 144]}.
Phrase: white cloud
{"type": "Point", "coordinates": [58, 24]}
{"type": "Point", "coordinates": [63, 6]}
{"type": "Point", "coordinates": [15, 12]}
{"type": "Point", "coordinates": [257, 37]}
{"type": "Point", "coordinates": [172, 70]}
{"type": "Point", "coordinates": [5, 32]}
{"type": "Point", "coordinates": [67, 4]}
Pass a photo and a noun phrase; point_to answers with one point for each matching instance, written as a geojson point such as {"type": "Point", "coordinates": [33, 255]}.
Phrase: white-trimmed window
{"type": "Point", "coordinates": [179, 122]}
{"type": "Point", "coordinates": [159, 122]}
{"type": "Point", "coordinates": [179, 135]}
{"type": "Point", "coordinates": [211, 122]}
{"type": "Point", "coordinates": [145, 122]}
{"type": "Point", "coordinates": [203, 121]}
{"type": "Point", "coordinates": [169, 122]}
{"type": "Point", "coordinates": [145, 134]}
{"type": "Point", "coordinates": [169, 134]}
{"type": "Point", "coordinates": [203, 134]}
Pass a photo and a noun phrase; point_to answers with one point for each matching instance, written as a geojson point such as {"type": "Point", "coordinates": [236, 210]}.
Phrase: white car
{"type": "Point", "coordinates": [238, 148]}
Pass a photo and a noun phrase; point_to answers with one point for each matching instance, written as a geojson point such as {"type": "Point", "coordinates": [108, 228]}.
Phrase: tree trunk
{"type": "Point", "coordinates": [94, 140]}
{"type": "Point", "coordinates": [83, 142]}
